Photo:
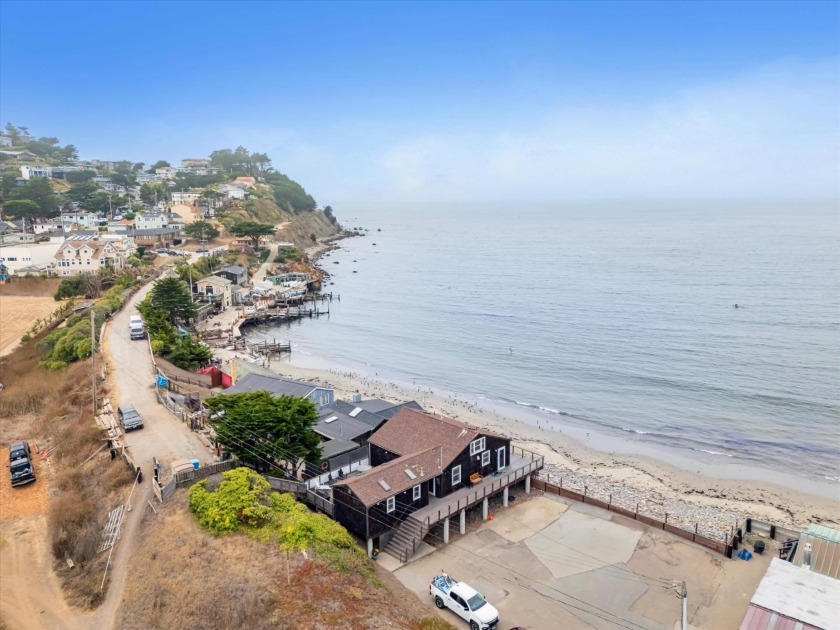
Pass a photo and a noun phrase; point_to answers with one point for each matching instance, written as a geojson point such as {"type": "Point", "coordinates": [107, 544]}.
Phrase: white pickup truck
{"type": "Point", "coordinates": [465, 601]}
{"type": "Point", "coordinates": [136, 328]}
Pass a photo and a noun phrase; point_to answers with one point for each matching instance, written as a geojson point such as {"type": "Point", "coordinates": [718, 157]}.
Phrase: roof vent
{"type": "Point", "coordinates": [384, 485]}
{"type": "Point", "coordinates": [355, 412]}
{"type": "Point", "coordinates": [357, 398]}
{"type": "Point", "coordinates": [410, 473]}
{"type": "Point", "coordinates": [331, 419]}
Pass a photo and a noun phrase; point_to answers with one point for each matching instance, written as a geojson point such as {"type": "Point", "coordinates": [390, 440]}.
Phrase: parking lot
{"type": "Point", "coordinates": [547, 563]}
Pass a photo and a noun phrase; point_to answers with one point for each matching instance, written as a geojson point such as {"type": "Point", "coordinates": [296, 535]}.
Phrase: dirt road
{"type": "Point", "coordinates": [35, 599]}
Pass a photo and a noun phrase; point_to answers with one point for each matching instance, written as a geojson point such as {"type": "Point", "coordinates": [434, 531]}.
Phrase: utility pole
{"type": "Point", "coordinates": [93, 357]}
{"type": "Point", "coordinates": [684, 623]}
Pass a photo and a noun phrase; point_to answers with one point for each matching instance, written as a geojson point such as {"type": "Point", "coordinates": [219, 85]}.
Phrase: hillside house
{"type": "Point", "coordinates": [277, 386]}
{"type": "Point", "coordinates": [151, 219]}
{"type": "Point", "coordinates": [79, 220]}
{"type": "Point", "coordinates": [215, 289]}
{"type": "Point", "coordinates": [35, 171]}
{"type": "Point", "coordinates": [195, 163]}
{"type": "Point", "coordinates": [19, 256]}
{"type": "Point", "coordinates": [88, 255]}
{"type": "Point", "coordinates": [424, 468]}
{"type": "Point", "coordinates": [21, 156]}
{"type": "Point", "coordinates": [188, 198]}
{"type": "Point", "coordinates": [167, 172]}
{"type": "Point", "coordinates": [236, 274]}
{"type": "Point", "coordinates": [155, 238]}
{"type": "Point", "coordinates": [248, 182]}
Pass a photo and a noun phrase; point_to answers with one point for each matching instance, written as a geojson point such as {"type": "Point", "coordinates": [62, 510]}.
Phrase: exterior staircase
{"type": "Point", "coordinates": [406, 537]}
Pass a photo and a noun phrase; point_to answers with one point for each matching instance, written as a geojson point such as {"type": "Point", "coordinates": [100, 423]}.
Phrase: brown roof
{"type": "Point", "coordinates": [409, 431]}
{"type": "Point", "coordinates": [424, 465]}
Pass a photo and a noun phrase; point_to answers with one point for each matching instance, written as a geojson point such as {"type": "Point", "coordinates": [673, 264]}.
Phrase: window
{"type": "Point", "coordinates": [324, 400]}
{"type": "Point", "coordinates": [477, 446]}
{"type": "Point", "coordinates": [390, 505]}
{"type": "Point", "coordinates": [485, 458]}
{"type": "Point", "coordinates": [416, 493]}
{"type": "Point", "coordinates": [456, 475]}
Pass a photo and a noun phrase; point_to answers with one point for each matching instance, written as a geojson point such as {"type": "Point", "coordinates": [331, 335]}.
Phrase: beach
{"type": "Point", "coordinates": [714, 505]}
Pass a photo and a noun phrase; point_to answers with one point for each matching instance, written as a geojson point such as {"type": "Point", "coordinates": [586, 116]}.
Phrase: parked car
{"type": "Point", "coordinates": [161, 251]}
{"type": "Point", "coordinates": [129, 418]}
{"type": "Point", "coordinates": [464, 601]}
{"type": "Point", "coordinates": [20, 465]}
{"type": "Point", "coordinates": [202, 250]}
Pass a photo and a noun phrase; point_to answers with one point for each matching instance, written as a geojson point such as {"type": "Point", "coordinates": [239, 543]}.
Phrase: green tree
{"type": "Point", "coordinates": [223, 159]}
{"type": "Point", "coordinates": [21, 208]}
{"type": "Point", "coordinates": [41, 192]}
{"type": "Point", "coordinates": [288, 193]}
{"type": "Point", "coordinates": [174, 298]}
{"type": "Point", "coordinates": [81, 191]}
{"type": "Point", "coordinates": [252, 231]}
{"type": "Point", "coordinates": [159, 164]}
{"type": "Point", "coordinates": [261, 161]}
{"type": "Point", "coordinates": [190, 354]}
{"type": "Point", "coordinates": [153, 192]}
{"type": "Point", "coordinates": [265, 430]}
{"type": "Point", "coordinates": [76, 177]}
{"type": "Point", "coordinates": [201, 229]}
{"type": "Point", "coordinates": [19, 135]}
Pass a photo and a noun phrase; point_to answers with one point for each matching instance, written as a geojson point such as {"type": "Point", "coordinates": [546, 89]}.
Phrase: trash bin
{"type": "Point", "coordinates": [758, 547]}
{"type": "Point", "coordinates": [195, 464]}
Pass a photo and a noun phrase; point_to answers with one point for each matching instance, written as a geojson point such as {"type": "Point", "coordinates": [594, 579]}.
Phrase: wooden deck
{"type": "Point", "coordinates": [521, 465]}
{"type": "Point", "coordinates": [417, 524]}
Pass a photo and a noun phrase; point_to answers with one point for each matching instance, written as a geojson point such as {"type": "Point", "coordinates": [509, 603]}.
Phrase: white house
{"type": "Point", "coordinates": [43, 226]}
{"type": "Point", "coordinates": [148, 178]}
{"type": "Point", "coordinates": [35, 171]}
{"type": "Point", "coordinates": [39, 255]}
{"type": "Point", "coordinates": [88, 255]}
{"type": "Point", "coordinates": [150, 219]}
{"type": "Point", "coordinates": [231, 191]}
{"type": "Point", "coordinates": [195, 162]}
{"type": "Point", "coordinates": [79, 220]}
{"type": "Point", "coordinates": [167, 172]}
{"type": "Point", "coordinates": [188, 198]}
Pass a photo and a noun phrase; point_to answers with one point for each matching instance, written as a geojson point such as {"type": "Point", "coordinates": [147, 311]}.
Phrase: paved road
{"type": "Point", "coordinates": [164, 436]}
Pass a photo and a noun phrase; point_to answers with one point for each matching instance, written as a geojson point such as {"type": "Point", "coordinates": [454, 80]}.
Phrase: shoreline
{"type": "Point", "coordinates": [713, 499]}
{"type": "Point", "coordinates": [713, 504]}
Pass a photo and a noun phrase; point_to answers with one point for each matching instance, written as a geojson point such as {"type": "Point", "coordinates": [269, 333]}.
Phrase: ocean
{"type": "Point", "coordinates": [614, 320]}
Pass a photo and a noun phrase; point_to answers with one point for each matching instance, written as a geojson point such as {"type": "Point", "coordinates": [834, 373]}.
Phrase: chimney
{"type": "Point", "coordinates": [357, 397]}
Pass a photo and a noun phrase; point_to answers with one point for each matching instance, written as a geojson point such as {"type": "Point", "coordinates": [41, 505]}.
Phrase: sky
{"type": "Point", "coordinates": [433, 102]}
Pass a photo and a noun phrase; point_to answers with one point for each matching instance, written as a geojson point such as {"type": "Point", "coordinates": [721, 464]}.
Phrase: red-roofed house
{"type": "Point", "coordinates": [425, 468]}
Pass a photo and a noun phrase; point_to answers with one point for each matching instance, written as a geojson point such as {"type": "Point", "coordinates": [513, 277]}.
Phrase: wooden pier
{"type": "Point", "coordinates": [267, 348]}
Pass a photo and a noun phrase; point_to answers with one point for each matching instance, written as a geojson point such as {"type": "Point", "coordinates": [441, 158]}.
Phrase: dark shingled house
{"type": "Point", "coordinates": [426, 468]}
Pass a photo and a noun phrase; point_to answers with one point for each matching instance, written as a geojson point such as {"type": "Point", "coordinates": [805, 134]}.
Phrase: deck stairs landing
{"type": "Point", "coordinates": [406, 538]}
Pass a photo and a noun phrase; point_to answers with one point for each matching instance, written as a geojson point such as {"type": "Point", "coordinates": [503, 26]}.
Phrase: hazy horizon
{"type": "Point", "coordinates": [470, 101]}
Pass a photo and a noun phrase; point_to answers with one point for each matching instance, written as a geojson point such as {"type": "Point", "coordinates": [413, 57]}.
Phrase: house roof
{"type": "Point", "coordinates": [341, 425]}
{"type": "Point", "coordinates": [822, 531]}
{"type": "Point", "coordinates": [391, 411]}
{"type": "Point", "coordinates": [333, 448]}
{"type": "Point", "coordinates": [155, 231]}
{"type": "Point", "coordinates": [385, 409]}
{"type": "Point", "coordinates": [274, 385]}
{"type": "Point", "coordinates": [217, 280]}
{"type": "Point", "coordinates": [423, 465]}
{"type": "Point", "coordinates": [410, 431]}
{"type": "Point", "coordinates": [796, 593]}
{"type": "Point", "coordinates": [235, 269]}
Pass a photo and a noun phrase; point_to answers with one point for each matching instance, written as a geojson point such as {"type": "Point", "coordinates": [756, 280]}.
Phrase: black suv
{"type": "Point", "coordinates": [20, 464]}
{"type": "Point", "coordinates": [129, 418]}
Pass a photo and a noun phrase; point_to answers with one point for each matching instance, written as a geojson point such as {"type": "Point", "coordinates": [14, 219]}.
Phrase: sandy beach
{"type": "Point", "coordinates": [713, 504]}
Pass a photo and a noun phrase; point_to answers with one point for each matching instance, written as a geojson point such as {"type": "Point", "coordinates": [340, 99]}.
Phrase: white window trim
{"type": "Point", "coordinates": [476, 446]}
{"type": "Point", "coordinates": [416, 493]}
{"type": "Point", "coordinates": [485, 458]}
{"type": "Point", "coordinates": [390, 504]}
{"type": "Point", "coordinates": [456, 469]}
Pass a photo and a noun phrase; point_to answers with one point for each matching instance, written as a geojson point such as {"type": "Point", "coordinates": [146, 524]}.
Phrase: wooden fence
{"type": "Point", "coordinates": [185, 477]}
{"type": "Point", "coordinates": [721, 546]}
{"type": "Point", "coordinates": [287, 485]}
{"type": "Point", "coordinates": [163, 492]}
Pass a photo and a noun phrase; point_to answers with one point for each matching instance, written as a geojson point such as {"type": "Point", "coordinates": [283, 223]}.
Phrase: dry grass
{"type": "Point", "coordinates": [18, 315]}
{"type": "Point", "coordinates": [183, 577]}
{"type": "Point", "coordinates": [30, 287]}
{"type": "Point", "coordinates": [53, 410]}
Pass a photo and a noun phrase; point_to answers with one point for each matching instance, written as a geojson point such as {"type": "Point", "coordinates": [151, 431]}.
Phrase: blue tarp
{"type": "Point", "coordinates": [161, 381]}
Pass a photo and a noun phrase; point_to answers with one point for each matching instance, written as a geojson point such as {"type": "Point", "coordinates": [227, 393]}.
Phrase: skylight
{"type": "Point", "coordinates": [410, 473]}
{"type": "Point", "coordinates": [355, 412]}
{"type": "Point", "coordinates": [384, 484]}
{"type": "Point", "coordinates": [331, 419]}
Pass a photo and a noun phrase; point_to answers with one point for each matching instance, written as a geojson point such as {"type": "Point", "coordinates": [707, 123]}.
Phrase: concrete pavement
{"type": "Point", "coordinates": [548, 563]}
